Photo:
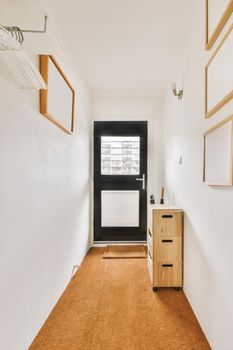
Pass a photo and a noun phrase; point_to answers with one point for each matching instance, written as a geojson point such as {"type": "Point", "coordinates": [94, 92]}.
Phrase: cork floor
{"type": "Point", "coordinates": [109, 305]}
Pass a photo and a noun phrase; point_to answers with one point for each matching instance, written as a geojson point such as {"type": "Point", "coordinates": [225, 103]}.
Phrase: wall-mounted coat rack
{"type": "Point", "coordinates": [20, 65]}
{"type": "Point", "coordinates": [17, 33]}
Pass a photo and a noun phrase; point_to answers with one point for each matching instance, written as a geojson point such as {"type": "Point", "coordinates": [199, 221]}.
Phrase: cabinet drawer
{"type": "Point", "coordinates": [168, 274]}
{"type": "Point", "coordinates": [150, 265]}
{"type": "Point", "coordinates": [167, 249]}
{"type": "Point", "coordinates": [167, 223]}
{"type": "Point", "coordinates": [149, 242]}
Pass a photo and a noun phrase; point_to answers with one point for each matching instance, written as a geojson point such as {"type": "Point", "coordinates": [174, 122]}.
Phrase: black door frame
{"type": "Point", "coordinates": [120, 182]}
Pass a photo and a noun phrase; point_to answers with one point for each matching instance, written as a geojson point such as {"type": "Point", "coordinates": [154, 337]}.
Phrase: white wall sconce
{"type": "Point", "coordinates": [175, 93]}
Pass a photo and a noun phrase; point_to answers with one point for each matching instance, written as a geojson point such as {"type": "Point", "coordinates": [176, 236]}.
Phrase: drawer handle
{"type": "Point", "coordinates": [167, 265]}
{"type": "Point", "coordinates": [149, 255]}
{"type": "Point", "coordinates": [166, 216]}
{"type": "Point", "coordinates": [167, 240]}
{"type": "Point", "coordinates": [149, 233]}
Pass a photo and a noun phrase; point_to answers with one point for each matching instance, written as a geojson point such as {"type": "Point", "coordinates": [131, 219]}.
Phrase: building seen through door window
{"type": "Point", "coordinates": [120, 155]}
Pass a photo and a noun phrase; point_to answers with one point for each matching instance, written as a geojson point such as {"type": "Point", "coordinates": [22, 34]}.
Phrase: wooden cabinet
{"type": "Point", "coordinates": [165, 246]}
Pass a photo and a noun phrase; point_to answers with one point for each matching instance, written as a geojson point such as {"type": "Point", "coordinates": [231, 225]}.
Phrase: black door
{"type": "Point", "coordinates": [120, 181]}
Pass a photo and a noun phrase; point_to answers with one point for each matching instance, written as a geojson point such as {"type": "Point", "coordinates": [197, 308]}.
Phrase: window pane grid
{"type": "Point", "coordinates": [120, 155]}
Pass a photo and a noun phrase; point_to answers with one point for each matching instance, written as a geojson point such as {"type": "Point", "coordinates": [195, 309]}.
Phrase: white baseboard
{"type": "Point", "coordinates": [104, 244]}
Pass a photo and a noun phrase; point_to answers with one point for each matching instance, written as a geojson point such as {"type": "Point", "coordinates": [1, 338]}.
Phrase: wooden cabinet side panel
{"type": "Point", "coordinates": [150, 268]}
{"type": "Point", "coordinates": [150, 219]}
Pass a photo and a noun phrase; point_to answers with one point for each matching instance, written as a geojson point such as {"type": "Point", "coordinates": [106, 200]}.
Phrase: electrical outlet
{"type": "Point", "coordinates": [180, 160]}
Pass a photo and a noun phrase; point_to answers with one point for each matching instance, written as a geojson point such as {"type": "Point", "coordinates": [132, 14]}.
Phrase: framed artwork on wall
{"type": "Point", "coordinates": [218, 154]}
{"type": "Point", "coordinates": [57, 102]}
{"type": "Point", "coordinates": [217, 14]}
{"type": "Point", "coordinates": [219, 76]}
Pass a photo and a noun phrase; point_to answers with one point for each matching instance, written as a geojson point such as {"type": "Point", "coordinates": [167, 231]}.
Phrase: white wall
{"type": "Point", "coordinates": [208, 260]}
{"type": "Point", "coordinates": [137, 107]}
{"type": "Point", "coordinates": [44, 203]}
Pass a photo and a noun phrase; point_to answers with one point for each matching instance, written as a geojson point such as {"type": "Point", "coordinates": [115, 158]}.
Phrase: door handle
{"type": "Point", "coordinates": [143, 180]}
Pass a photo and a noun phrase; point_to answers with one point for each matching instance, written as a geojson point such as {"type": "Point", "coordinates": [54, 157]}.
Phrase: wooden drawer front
{"type": "Point", "coordinates": [149, 242]}
{"type": "Point", "coordinates": [168, 223]}
{"type": "Point", "coordinates": [168, 274]}
{"type": "Point", "coordinates": [168, 249]}
{"type": "Point", "coordinates": [150, 266]}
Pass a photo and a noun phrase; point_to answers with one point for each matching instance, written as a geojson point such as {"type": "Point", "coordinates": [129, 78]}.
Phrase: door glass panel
{"type": "Point", "coordinates": [120, 208]}
{"type": "Point", "coordinates": [120, 155]}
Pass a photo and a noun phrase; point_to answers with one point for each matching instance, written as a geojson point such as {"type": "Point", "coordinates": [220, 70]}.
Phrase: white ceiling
{"type": "Point", "coordinates": [122, 46]}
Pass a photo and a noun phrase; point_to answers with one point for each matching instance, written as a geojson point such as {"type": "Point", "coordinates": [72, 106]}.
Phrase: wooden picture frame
{"type": "Point", "coordinates": [212, 37]}
{"type": "Point", "coordinates": [227, 40]}
{"type": "Point", "coordinates": [45, 108]}
{"type": "Point", "coordinates": [218, 154]}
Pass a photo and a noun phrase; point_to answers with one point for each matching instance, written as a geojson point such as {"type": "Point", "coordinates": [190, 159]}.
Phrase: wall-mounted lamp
{"type": "Point", "coordinates": [175, 93]}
